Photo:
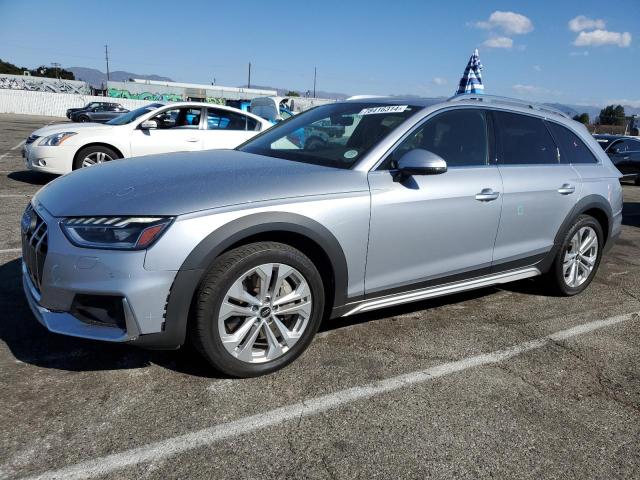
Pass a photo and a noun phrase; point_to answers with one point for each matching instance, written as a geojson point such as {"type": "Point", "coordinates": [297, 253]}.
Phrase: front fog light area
{"type": "Point", "coordinates": [105, 310]}
{"type": "Point", "coordinates": [122, 233]}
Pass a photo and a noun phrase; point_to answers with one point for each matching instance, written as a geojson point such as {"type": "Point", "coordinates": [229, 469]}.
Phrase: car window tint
{"type": "Point", "coordinates": [458, 136]}
{"type": "Point", "coordinates": [572, 149]}
{"type": "Point", "coordinates": [523, 140]}
{"type": "Point", "coordinates": [632, 145]}
{"type": "Point", "coordinates": [183, 118]}
{"type": "Point", "coordinates": [219, 119]}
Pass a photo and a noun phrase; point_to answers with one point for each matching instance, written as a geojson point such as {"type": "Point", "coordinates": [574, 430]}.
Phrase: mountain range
{"type": "Point", "coordinates": [97, 79]}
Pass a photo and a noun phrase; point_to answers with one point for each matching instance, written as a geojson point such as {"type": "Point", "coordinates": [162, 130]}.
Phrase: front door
{"type": "Point", "coordinates": [176, 130]}
{"type": "Point", "coordinates": [435, 228]}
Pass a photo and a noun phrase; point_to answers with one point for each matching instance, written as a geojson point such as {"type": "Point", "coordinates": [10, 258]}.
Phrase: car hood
{"type": "Point", "coordinates": [179, 183]}
{"type": "Point", "coordinates": [71, 127]}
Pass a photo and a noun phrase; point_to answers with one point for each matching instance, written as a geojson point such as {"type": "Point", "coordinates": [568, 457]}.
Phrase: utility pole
{"type": "Point", "coordinates": [249, 80]}
{"type": "Point", "coordinates": [56, 65]}
{"type": "Point", "coordinates": [106, 56]}
{"type": "Point", "coordinates": [315, 72]}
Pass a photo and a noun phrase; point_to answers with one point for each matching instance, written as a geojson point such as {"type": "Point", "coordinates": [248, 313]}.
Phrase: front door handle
{"type": "Point", "coordinates": [486, 195]}
{"type": "Point", "coordinates": [192, 140]}
{"type": "Point", "coordinates": [566, 189]}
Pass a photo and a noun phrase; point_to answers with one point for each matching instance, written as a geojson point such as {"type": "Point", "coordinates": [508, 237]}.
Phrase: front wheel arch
{"type": "Point", "coordinates": [95, 144]}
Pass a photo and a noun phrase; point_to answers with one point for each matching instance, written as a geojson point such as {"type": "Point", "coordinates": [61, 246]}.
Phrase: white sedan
{"type": "Point", "coordinates": [155, 128]}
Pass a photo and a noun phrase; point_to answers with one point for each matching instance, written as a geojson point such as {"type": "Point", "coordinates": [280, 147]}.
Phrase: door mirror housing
{"type": "Point", "coordinates": [148, 125]}
{"type": "Point", "coordinates": [420, 162]}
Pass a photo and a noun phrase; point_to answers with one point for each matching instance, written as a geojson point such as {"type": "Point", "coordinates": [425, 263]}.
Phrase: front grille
{"type": "Point", "coordinates": [31, 139]}
{"type": "Point", "coordinates": [34, 244]}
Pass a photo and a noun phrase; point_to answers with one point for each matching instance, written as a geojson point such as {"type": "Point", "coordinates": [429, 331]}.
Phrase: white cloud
{"type": "Point", "coordinates": [440, 81]}
{"type": "Point", "coordinates": [498, 42]}
{"type": "Point", "coordinates": [537, 68]}
{"type": "Point", "coordinates": [533, 90]}
{"type": "Point", "coordinates": [598, 38]}
{"type": "Point", "coordinates": [581, 22]}
{"type": "Point", "coordinates": [510, 23]}
{"type": "Point", "coordinates": [581, 53]}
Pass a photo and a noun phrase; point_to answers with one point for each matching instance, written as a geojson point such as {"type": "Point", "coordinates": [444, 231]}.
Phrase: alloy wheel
{"type": "Point", "coordinates": [580, 257]}
{"type": "Point", "coordinates": [95, 158]}
{"type": "Point", "coordinates": [264, 313]}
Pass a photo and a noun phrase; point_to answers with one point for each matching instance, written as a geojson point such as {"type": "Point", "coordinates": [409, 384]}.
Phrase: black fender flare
{"type": "Point", "coordinates": [585, 204]}
{"type": "Point", "coordinates": [203, 255]}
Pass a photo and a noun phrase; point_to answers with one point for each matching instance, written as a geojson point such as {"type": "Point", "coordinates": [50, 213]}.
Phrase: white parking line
{"type": "Point", "coordinates": [18, 145]}
{"type": "Point", "coordinates": [165, 448]}
{"type": "Point", "coordinates": [11, 250]}
{"type": "Point", "coordinates": [15, 195]}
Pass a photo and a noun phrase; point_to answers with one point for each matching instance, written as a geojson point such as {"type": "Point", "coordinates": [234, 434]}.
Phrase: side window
{"type": "Point", "coordinates": [219, 119]}
{"type": "Point", "coordinates": [523, 140]}
{"type": "Point", "coordinates": [572, 149]}
{"type": "Point", "coordinates": [183, 118]}
{"type": "Point", "coordinates": [458, 136]}
{"type": "Point", "coordinates": [632, 145]}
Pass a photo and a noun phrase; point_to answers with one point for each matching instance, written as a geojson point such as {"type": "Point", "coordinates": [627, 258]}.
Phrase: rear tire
{"type": "Point", "coordinates": [93, 155]}
{"type": "Point", "coordinates": [239, 325]}
{"type": "Point", "coordinates": [578, 258]}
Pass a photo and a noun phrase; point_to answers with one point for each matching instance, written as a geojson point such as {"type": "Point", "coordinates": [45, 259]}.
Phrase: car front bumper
{"type": "Point", "coordinates": [68, 271]}
{"type": "Point", "coordinates": [57, 160]}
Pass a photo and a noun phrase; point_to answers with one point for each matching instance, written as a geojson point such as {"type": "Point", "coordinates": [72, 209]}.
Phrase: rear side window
{"type": "Point", "coordinates": [219, 119]}
{"type": "Point", "coordinates": [572, 149]}
{"type": "Point", "coordinates": [458, 136]}
{"type": "Point", "coordinates": [523, 140]}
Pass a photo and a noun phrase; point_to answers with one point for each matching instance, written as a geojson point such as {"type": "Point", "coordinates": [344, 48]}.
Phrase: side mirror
{"type": "Point", "coordinates": [148, 125]}
{"type": "Point", "coordinates": [420, 162]}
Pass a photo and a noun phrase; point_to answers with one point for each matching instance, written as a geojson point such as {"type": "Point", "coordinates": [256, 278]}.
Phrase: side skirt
{"type": "Point", "coordinates": [442, 290]}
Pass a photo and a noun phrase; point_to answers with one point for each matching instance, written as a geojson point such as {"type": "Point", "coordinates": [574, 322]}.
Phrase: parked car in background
{"type": "Point", "coordinates": [88, 106]}
{"type": "Point", "coordinates": [624, 152]}
{"type": "Point", "coordinates": [98, 114]}
{"type": "Point", "coordinates": [246, 251]}
{"type": "Point", "coordinates": [155, 128]}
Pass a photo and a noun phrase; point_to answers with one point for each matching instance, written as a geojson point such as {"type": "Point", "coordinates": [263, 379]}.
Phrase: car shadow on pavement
{"type": "Point", "coordinates": [32, 178]}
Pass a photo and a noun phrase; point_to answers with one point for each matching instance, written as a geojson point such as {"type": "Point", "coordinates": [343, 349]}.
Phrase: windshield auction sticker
{"type": "Point", "coordinates": [385, 109]}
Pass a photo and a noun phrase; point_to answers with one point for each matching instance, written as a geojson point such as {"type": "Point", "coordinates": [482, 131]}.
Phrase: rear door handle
{"type": "Point", "coordinates": [566, 189]}
{"type": "Point", "coordinates": [192, 140]}
{"type": "Point", "coordinates": [486, 195]}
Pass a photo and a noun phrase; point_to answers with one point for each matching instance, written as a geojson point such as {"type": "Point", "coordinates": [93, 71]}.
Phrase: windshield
{"type": "Point", "coordinates": [133, 114]}
{"type": "Point", "coordinates": [335, 135]}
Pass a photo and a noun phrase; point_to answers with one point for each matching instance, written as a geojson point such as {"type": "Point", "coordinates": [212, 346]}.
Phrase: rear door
{"type": "Point", "coordinates": [428, 229]}
{"type": "Point", "coordinates": [539, 191]}
{"type": "Point", "coordinates": [177, 130]}
{"type": "Point", "coordinates": [227, 129]}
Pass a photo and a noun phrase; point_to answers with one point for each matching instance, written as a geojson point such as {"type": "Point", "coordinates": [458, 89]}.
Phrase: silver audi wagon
{"type": "Point", "coordinates": [343, 209]}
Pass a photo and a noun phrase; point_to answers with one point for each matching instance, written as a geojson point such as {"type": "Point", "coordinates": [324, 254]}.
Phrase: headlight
{"type": "Point", "coordinates": [121, 233]}
{"type": "Point", "coordinates": [56, 139]}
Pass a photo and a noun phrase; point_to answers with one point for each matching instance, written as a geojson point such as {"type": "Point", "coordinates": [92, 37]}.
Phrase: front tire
{"type": "Point", "coordinates": [257, 309]}
{"type": "Point", "coordinates": [94, 155]}
{"type": "Point", "coordinates": [577, 261]}
{"type": "Point", "coordinates": [83, 119]}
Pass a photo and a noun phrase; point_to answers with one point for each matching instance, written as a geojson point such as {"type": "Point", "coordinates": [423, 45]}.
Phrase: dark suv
{"type": "Point", "coordinates": [96, 112]}
{"type": "Point", "coordinates": [624, 152]}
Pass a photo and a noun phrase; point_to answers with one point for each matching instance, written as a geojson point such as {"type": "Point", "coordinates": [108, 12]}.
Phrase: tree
{"type": "Point", "coordinates": [582, 118]}
{"type": "Point", "coordinates": [612, 115]}
{"type": "Point", "coordinates": [51, 72]}
{"type": "Point", "coordinates": [292, 93]}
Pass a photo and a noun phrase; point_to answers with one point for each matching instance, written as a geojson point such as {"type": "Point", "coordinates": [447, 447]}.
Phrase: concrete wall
{"type": "Point", "coordinates": [53, 104]}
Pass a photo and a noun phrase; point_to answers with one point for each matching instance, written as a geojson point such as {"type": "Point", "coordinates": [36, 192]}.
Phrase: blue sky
{"type": "Point", "coordinates": [528, 48]}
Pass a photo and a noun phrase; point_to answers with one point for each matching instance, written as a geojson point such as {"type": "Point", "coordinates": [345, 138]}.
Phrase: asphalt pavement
{"type": "Point", "coordinates": [504, 382]}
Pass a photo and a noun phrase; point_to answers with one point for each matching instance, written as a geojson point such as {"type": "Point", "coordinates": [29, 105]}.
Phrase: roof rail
{"type": "Point", "coordinates": [508, 101]}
